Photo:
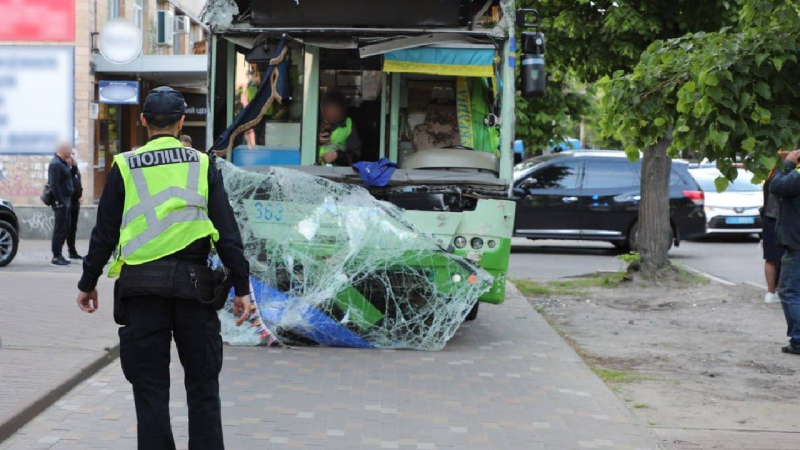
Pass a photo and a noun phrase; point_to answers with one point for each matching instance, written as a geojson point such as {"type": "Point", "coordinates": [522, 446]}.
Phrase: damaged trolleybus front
{"type": "Point", "coordinates": [428, 86]}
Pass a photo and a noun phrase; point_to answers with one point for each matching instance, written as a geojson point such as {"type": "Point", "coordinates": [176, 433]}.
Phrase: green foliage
{"type": "Point", "coordinates": [542, 122]}
{"type": "Point", "coordinates": [632, 257]}
{"type": "Point", "coordinates": [590, 39]}
{"type": "Point", "coordinates": [617, 376]}
{"type": "Point", "coordinates": [725, 94]}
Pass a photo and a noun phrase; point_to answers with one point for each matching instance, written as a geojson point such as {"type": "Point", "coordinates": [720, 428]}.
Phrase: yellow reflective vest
{"type": "Point", "coordinates": [166, 202]}
{"type": "Point", "coordinates": [338, 140]}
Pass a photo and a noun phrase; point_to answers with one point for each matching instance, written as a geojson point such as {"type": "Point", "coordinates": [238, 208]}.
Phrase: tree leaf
{"type": "Point", "coordinates": [660, 121]}
{"type": "Point", "coordinates": [778, 62]}
{"type": "Point", "coordinates": [749, 144]}
{"type": "Point", "coordinates": [763, 90]}
{"type": "Point", "coordinates": [719, 137]}
{"type": "Point", "coordinates": [721, 183]}
{"type": "Point", "coordinates": [768, 162]}
{"type": "Point", "coordinates": [727, 121]}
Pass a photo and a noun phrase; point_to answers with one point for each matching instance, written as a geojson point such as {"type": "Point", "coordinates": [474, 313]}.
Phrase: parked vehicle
{"type": "Point", "coordinates": [734, 211]}
{"type": "Point", "coordinates": [9, 233]}
{"type": "Point", "coordinates": [594, 195]}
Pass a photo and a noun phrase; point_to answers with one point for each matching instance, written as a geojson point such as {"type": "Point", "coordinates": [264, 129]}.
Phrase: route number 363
{"type": "Point", "coordinates": [268, 211]}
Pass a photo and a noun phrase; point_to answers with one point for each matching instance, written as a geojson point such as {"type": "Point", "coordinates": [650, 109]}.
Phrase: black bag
{"type": "Point", "coordinates": [47, 196]}
{"type": "Point", "coordinates": [223, 283]}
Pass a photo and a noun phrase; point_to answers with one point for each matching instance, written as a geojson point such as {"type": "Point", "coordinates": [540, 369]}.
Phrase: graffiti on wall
{"type": "Point", "coordinates": [22, 178]}
{"type": "Point", "coordinates": [38, 223]}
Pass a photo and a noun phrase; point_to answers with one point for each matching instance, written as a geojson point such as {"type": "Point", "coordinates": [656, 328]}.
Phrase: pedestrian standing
{"type": "Point", "coordinates": [75, 208]}
{"type": "Point", "coordinates": [786, 185]}
{"type": "Point", "coordinates": [162, 207]}
{"type": "Point", "coordinates": [186, 140]}
{"type": "Point", "coordinates": [60, 180]}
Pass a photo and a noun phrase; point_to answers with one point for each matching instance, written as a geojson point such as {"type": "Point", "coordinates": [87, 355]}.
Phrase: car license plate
{"type": "Point", "coordinates": [740, 220]}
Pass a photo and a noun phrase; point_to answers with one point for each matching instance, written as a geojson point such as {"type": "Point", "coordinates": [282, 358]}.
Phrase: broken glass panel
{"type": "Point", "coordinates": [331, 265]}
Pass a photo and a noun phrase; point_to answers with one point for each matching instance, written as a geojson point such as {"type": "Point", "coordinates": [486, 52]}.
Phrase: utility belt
{"type": "Point", "coordinates": [170, 279]}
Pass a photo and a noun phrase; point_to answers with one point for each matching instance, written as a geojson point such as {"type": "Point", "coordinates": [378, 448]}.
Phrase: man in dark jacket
{"type": "Point", "coordinates": [60, 180]}
{"type": "Point", "coordinates": [786, 186]}
{"type": "Point", "coordinates": [75, 208]}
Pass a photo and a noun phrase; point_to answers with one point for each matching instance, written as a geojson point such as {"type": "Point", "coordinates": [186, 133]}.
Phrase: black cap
{"type": "Point", "coordinates": [163, 106]}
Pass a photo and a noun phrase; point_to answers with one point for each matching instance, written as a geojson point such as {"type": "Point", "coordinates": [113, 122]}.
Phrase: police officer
{"type": "Point", "coordinates": [161, 208]}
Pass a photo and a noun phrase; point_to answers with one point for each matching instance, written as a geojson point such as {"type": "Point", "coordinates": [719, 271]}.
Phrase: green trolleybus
{"type": "Point", "coordinates": [429, 86]}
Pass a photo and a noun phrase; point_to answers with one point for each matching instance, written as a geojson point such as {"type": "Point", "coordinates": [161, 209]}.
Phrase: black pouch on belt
{"type": "Point", "coordinates": [120, 314]}
{"type": "Point", "coordinates": [168, 278]}
{"type": "Point", "coordinates": [223, 283]}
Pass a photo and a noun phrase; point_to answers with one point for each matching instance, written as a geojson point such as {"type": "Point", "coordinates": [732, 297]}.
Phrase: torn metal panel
{"type": "Point", "coordinates": [331, 265]}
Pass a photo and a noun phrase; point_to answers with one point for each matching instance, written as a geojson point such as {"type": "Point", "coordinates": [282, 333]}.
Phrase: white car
{"type": "Point", "coordinates": [735, 210]}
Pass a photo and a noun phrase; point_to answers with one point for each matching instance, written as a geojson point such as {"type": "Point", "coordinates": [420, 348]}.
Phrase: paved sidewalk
{"type": "Point", "coordinates": [506, 381]}
{"type": "Point", "coordinates": [46, 342]}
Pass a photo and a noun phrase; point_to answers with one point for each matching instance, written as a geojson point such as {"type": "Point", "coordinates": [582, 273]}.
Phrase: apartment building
{"type": "Point", "coordinates": [39, 108]}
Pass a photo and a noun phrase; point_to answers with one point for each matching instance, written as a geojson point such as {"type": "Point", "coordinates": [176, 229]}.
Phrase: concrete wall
{"type": "Point", "coordinates": [36, 222]}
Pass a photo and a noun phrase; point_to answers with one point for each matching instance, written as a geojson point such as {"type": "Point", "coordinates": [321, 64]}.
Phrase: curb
{"type": "Point", "coordinates": [709, 276]}
{"type": "Point", "coordinates": [39, 402]}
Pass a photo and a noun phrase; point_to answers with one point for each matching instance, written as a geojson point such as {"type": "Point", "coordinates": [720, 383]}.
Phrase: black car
{"type": "Point", "coordinates": [594, 195]}
{"type": "Point", "coordinates": [9, 233]}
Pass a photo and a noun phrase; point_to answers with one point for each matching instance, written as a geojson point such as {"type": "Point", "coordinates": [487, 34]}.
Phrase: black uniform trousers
{"type": "Point", "coordinates": [74, 213]}
{"type": "Point", "coordinates": [145, 342]}
{"type": "Point", "coordinates": [60, 229]}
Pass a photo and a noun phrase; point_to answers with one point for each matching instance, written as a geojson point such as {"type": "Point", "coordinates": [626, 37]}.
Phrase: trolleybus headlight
{"type": "Point", "coordinates": [492, 244]}
{"type": "Point", "coordinates": [460, 242]}
{"type": "Point", "coordinates": [477, 243]}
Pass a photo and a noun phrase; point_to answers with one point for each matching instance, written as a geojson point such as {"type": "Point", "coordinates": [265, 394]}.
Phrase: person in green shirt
{"type": "Point", "coordinates": [339, 144]}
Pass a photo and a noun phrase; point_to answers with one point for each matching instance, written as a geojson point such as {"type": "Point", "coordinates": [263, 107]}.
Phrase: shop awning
{"type": "Point", "coordinates": [475, 61]}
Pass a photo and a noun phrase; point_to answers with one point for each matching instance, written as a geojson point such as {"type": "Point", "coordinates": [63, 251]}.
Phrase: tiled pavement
{"type": "Point", "coordinates": [505, 381]}
{"type": "Point", "coordinates": [45, 340]}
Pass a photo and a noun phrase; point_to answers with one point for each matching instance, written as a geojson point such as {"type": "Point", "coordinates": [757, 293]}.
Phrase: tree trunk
{"type": "Point", "coordinates": [655, 233]}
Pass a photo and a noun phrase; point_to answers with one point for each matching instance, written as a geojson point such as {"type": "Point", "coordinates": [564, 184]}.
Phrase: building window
{"type": "Point", "coordinates": [191, 38]}
{"type": "Point", "coordinates": [138, 14]}
{"type": "Point", "coordinates": [113, 9]}
{"type": "Point", "coordinates": [181, 29]}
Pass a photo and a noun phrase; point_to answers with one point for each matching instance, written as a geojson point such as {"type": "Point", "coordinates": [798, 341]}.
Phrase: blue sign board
{"type": "Point", "coordinates": [118, 92]}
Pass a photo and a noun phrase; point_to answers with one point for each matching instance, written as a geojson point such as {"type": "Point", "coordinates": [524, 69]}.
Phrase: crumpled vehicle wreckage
{"type": "Point", "coordinates": [331, 265]}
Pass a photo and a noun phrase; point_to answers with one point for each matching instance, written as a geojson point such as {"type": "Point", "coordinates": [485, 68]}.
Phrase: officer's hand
{"type": "Point", "coordinates": [241, 305]}
{"type": "Point", "coordinates": [87, 301]}
{"type": "Point", "coordinates": [330, 157]}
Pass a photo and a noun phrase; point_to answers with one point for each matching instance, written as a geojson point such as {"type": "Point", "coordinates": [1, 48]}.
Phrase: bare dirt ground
{"type": "Point", "coordinates": [700, 357]}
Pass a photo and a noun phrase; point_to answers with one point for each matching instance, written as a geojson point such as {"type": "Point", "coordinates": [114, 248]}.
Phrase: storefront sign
{"type": "Point", "coordinates": [196, 109]}
{"type": "Point", "coordinates": [118, 92]}
{"type": "Point", "coordinates": [38, 20]}
{"type": "Point", "coordinates": [37, 92]}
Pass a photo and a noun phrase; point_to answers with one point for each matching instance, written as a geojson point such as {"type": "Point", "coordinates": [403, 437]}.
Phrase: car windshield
{"type": "Point", "coordinates": [705, 178]}
{"type": "Point", "coordinates": [522, 169]}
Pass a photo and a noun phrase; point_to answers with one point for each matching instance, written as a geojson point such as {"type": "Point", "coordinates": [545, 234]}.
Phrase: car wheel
{"type": "Point", "coordinates": [630, 239]}
{"type": "Point", "coordinates": [9, 241]}
{"type": "Point", "coordinates": [473, 313]}
{"type": "Point", "coordinates": [633, 233]}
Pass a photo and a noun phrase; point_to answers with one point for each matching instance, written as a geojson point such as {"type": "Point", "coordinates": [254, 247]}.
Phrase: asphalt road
{"type": "Point", "coordinates": [736, 259]}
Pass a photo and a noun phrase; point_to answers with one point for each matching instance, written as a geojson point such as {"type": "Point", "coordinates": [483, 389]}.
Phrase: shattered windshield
{"type": "Point", "coordinates": [331, 265]}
